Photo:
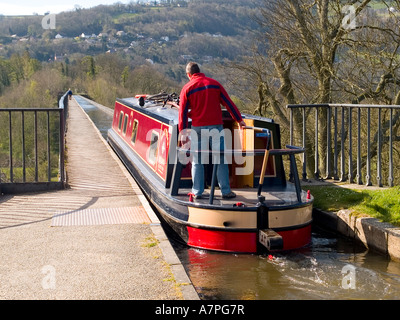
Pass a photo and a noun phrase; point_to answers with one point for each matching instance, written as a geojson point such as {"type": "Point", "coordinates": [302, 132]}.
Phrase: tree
{"type": "Point", "coordinates": [124, 76]}
{"type": "Point", "coordinates": [305, 52]}
{"type": "Point", "coordinates": [90, 67]}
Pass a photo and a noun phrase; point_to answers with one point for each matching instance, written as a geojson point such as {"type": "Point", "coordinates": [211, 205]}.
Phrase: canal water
{"type": "Point", "coordinates": [331, 267]}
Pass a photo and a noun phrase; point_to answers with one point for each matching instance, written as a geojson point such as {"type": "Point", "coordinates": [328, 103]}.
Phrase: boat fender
{"type": "Point", "coordinates": [239, 204]}
{"type": "Point", "coordinates": [141, 101]}
{"type": "Point", "coordinates": [308, 195]}
{"type": "Point", "coordinates": [191, 195]}
{"type": "Point", "coordinates": [227, 224]}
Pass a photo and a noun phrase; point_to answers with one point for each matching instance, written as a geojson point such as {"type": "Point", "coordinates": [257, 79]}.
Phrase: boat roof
{"type": "Point", "coordinates": [170, 114]}
{"type": "Point", "coordinates": [156, 109]}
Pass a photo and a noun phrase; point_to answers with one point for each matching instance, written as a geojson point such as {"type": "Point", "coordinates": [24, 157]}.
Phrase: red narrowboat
{"type": "Point", "coordinates": [270, 212]}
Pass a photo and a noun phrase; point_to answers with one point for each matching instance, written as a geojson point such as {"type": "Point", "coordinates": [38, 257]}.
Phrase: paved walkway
{"type": "Point", "coordinates": [98, 239]}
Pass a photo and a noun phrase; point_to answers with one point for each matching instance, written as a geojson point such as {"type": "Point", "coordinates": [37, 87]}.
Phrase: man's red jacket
{"type": "Point", "coordinates": [203, 96]}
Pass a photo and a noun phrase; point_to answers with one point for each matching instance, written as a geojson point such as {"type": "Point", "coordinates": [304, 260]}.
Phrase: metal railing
{"type": "Point", "coordinates": [24, 129]}
{"type": "Point", "coordinates": [366, 143]}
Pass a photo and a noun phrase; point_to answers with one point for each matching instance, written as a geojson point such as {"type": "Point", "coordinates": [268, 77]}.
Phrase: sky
{"type": "Point", "coordinates": [29, 7]}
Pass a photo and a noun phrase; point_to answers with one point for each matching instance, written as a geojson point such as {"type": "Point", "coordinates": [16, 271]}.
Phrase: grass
{"type": "Point", "coordinates": [30, 174]}
{"type": "Point", "coordinates": [382, 204]}
{"type": "Point", "coordinates": [150, 242]}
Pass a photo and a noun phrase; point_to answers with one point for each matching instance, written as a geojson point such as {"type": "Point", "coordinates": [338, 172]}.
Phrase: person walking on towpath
{"type": "Point", "coordinates": [201, 99]}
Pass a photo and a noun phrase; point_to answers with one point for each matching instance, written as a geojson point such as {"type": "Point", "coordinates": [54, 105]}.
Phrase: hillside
{"type": "Point", "coordinates": [164, 33]}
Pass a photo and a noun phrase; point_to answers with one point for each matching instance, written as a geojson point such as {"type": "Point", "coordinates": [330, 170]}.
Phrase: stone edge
{"type": "Point", "coordinates": [380, 236]}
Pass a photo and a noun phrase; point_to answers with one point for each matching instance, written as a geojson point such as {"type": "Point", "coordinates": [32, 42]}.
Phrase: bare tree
{"type": "Point", "coordinates": [324, 51]}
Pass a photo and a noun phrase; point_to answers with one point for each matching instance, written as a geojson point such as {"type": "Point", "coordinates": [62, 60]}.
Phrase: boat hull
{"type": "Point", "coordinates": [225, 229]}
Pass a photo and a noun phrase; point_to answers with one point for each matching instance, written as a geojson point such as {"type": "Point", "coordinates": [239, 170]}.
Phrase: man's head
{"type": "Point", "coordinates": [192, 68]}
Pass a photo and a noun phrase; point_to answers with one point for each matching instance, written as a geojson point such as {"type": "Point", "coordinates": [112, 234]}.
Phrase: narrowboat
{"type": "Point", "coordinates": [270, 212]}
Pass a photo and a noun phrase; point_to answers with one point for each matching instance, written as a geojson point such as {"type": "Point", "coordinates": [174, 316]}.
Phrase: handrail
{"type": "Point", "coordinates": [290, 151]}
{"type": "Point", "coordinates": [11, 186]}
{"type": "Point", "coordinates": [337, 135]}
{"type": "Point", "coordinates": [344, 105]}
{"type": "Point", "coordinates": [254, 152]}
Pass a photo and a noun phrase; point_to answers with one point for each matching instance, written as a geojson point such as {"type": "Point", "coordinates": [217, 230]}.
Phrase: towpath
{"type": "Point", "coordinates": [98, 239]}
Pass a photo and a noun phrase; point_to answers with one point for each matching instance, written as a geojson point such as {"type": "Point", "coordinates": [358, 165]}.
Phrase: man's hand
{"type": "Point", "coordinates": [242, 124]}
{"type": "Point", "coordinates": [184, 138]}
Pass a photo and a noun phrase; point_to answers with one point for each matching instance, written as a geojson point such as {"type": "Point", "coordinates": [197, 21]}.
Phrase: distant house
{"type": "Point", "coordinates": [59, 58]}
{"type": "Point", "coordinates": [58, 36]}
{"type": "Point", "coordinates": [121, 33]}
{"type": "Point", "coordinates": [186, 57]}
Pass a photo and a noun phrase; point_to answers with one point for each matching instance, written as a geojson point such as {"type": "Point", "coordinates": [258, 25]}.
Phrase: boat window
{"type": "Point", "coordinates": [134, 131]}
{"type": "Point", "coordinates": [125, 124]}
{"type": "Point", "coordinates": [121, 116]}
{"type": "Point", "coordinates": [153, 147]}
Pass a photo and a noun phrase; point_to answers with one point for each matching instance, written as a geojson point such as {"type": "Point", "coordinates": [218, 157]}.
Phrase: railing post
{"type": "Point", "coordinates": [358, 177]}
{"type": "Point", "coordinates": [291, 138]}
{"type": "Point", "coordinates": [316, 165]}
{"type": "Point", "coordinates": [335, 152]}
{"type": "Point", "coordinates": [304, 146]}
{"type": "Point", "coordinates": [350, 174]}
{"type": "Point", "coordinates": [10, 147]}
{"type": "Point", "coordinates": [368, 175]}
{"type": "Point", "coordinates": [23, 146]}
{"type": "Point", "coordinates": [328, 143]}
{"type": "Point", "coordinates": [379, 150]}
{"type": "Point", "coordinates": [62, 147]}
{"type": "Point", "coordinates": [36, 147]}
{"type": "Point", "coordinates": [342, 158]}
{"type": "Point", "coordinates": [390, 179]}
{"type": "Point", "coordinates": [48, 148]}
{"type": "Point", "coordinates": [291, 126]}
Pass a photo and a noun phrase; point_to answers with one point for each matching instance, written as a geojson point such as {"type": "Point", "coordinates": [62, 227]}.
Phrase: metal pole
{"type": "Point", "coordinates": [342, 159]}
{"type": "Point", "coordinates": [328, 143]}
{"type": "Point", "coordinates": [62, 148]}
{"type": "Point", "coordinates": [291, 126]}
{"type": "Point", "coordinates": [48, 148]}
{"type": "Point", "coordinates": [390, 180]}
{"type": "Point", "coordinates": [379, 169]}
{"type": "Point", "coordinates": [359, 178]}
{"type": "Point", "coordinates": [368, 175]}
{"type": "Point", "coordinates": [23, 146]}
{"type": "Point", "coordinates": [36, 148]}
{"type": "Point", "coordinates": [10, 147]}
{"type": "Point", "coordinates": [304, 146]}
{"type": "Point", "coordinates": [316, 165]}
{"type": "Point", "coordinates": [335, 152]}
{"type": "Point", "coordinates": [350, 174]}
{"type": "Point", "coordinates": [263, 169]}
